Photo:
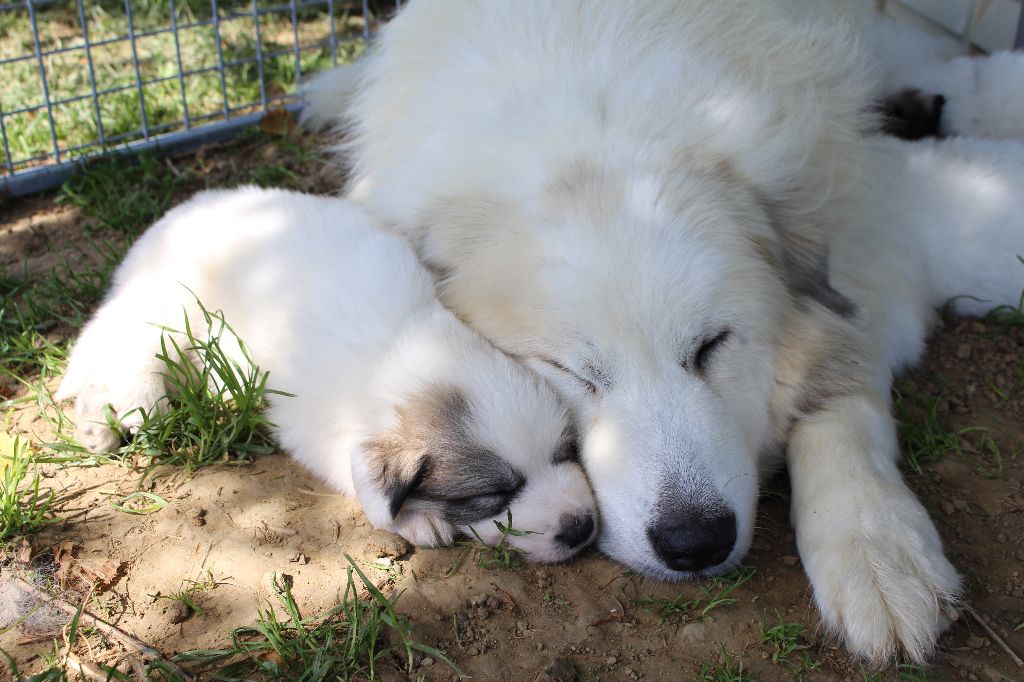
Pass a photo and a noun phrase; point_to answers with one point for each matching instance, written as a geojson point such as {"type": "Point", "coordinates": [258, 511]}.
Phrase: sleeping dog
{"type": "Point", "coordinates": [393, 399]}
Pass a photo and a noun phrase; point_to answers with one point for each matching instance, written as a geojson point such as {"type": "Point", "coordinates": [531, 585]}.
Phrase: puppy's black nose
{"type": "Point", "coordinates": [575, 530]}
{"type": "Point", "coordinates": [695, 545]}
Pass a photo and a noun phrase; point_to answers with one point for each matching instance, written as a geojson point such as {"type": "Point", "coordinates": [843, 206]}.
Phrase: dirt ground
{"type": "Point", "coordinates": [590, 619]}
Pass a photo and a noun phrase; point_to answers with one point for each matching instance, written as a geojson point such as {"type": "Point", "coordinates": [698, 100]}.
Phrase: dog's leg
{"type": "Point", "coordinates": [114, 361]}
{"type": "Point", "coordinates": [871, 552]}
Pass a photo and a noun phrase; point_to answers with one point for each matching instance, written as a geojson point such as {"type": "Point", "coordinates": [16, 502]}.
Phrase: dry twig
{"type": "Point", "coordinates": [112, 631]}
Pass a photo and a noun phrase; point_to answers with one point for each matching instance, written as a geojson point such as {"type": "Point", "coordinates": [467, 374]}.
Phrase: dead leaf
{"type": "Point", "coordinates": [278, 122]}
{"type": "Point", "coordinates": [64, 556]}
{"type": "Point", "coordinates": [25, 551]}
{"type": "Point", "coordinates": [102, 572]}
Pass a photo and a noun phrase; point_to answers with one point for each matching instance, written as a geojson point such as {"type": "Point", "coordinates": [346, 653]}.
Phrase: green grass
{"type": "Point", "coordinates": [680, 609]}
{"type": "Point", "coordinates": [727, 670]}
{"type": "Point", "coordinates": [213, 412]}
{"type": "Point", "coordinates": [191, 592]}
{"type": "Point", "coordinates": [1008, 314]}
{"type": "Point", "coordinates": [502, 555]}
{"type": "Point", "coordinates": [784, 639]}
{"type": "Point", "coordinates": [353, 640]}
{"type": "Point", "coordinates": [343, 643]}
{"type": "Point", "coordinates": [925, 440]}
{"type": "Point", "coordinates": [556, 600]}
{"type": "Point", "coordinates": [204, 93]}
{"type": "Point", "coordinates": [24, 508]}
{"type": "Point", "coordinates": [144, 187]}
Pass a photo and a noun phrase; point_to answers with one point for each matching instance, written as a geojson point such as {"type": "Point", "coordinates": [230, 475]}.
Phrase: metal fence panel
{"type": "Point", "coordinates": [80, 78]}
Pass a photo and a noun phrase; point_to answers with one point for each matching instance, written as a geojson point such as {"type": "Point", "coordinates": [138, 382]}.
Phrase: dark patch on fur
{"type": "Point", "coordinates": [837, 369]}
{"type": "Point", "coordinates": [599, 375]}
{"type": "Point", "coordinates": [803, 259]}
{"type": "Point", "coordinates": [911, 115]}
{"type": "Point", "coordinates": [568, 449]}
{"type": "Point", "coordinates": [433, 459]}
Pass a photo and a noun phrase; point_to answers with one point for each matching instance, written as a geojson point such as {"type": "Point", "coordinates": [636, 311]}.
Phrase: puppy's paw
{"type": "Point", "coordinates": [126, 403]}
{"type": "Point", "coordinates": [880, 578]}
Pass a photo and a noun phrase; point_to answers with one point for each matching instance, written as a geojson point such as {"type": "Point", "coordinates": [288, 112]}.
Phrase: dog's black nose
{"type": "Point", "coordinates": [575, 530]}
{"type": "Point", "coordinates": [695, 545]}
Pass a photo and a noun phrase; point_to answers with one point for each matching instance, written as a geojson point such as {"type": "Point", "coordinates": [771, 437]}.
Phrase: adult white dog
{"type": "Point", "coordinates": [638, 199]}
{"type": "Point", "coordinates": [393, 399]}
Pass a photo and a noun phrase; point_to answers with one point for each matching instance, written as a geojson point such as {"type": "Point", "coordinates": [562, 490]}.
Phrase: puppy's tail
{"type": "Point", "coordinates": [328, 96]}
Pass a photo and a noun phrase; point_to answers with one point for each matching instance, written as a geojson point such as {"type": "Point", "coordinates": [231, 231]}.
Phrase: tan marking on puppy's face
{"type": "Point", "coordinates": [432, 458]}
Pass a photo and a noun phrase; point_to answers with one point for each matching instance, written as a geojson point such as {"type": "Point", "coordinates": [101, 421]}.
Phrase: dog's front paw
{"type": "Point", "coordinates": [880, 577]}
{"type": "Point", "coordinates": [102, 413]}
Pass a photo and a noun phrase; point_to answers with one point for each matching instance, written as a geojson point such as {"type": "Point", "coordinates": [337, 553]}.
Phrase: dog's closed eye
{"type": "Point", "coordinates": [585, 383]}
{"type": "Point", "coordinates": [701, 361]}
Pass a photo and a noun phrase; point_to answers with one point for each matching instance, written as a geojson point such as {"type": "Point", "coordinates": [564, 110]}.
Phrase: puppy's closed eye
{"type": "Point", "coordinates": [584, 383]}
{"type": "Point", "coordinates": [568, 451]}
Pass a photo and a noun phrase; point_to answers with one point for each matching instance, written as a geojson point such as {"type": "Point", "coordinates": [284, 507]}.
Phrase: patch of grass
{"type": "Point", "coordinates": [1008, 314]}
{"type": "Point", "coordinates": [556, 600]}
{"type": "Point", "coordinates": [189, 595]}
{"type": "Point", "coordinates": [912, 672]}
{"type": "Point", "coordinates": [213, 411]}
{"type": "Point", "coordinates": [502, 555]}
{"type": "Point", "coordinates": [123, 194]}
{"type": "Point", "coordinates": [24, 508]}
{"type": "Point", "coordinates": [344, 643]}
{"type": "Point", "coordinates": [784, 639]}
{"type": "Point", "coordinates": [680, 609]}
{"type": "Point", "coordinates": [727, 670]}
{"type": "Point", "coordinates": [924, 439]}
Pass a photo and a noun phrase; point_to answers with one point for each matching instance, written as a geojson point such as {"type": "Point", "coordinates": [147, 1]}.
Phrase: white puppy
{"type": "Point", "coordinates": [639, 199]}
{"type": "Point", "coordinates": [395, 400]}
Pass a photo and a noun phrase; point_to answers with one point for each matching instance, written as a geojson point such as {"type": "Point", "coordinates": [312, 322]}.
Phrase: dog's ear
{"type": "Point", "coordinates": [386, 471]}
{"type": "Point", "coordinates": [803, 259]}
{"type": "Point", "coordinates": [393, 465]}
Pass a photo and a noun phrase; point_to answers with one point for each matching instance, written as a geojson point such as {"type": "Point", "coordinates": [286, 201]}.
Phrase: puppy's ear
{"type": "Point", "coordinates": [804, 261]}
{"type": "Point", "coordinates": [385, 472]}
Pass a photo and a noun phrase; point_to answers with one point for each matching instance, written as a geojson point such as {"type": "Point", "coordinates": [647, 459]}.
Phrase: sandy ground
{"type": "Point", "coordinates": [585, 620]}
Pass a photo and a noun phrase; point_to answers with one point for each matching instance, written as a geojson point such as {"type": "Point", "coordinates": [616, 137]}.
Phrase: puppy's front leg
{"type": "Point", "coordinates": [871, 552]}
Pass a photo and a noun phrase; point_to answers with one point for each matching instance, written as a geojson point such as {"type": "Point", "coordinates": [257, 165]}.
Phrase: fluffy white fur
{"type": "Point", "coordinates": [605, 187]}
{"type": "Point", "coordinates": [984, 96]}
{"type": "Point", "coordinates": [344, 318]}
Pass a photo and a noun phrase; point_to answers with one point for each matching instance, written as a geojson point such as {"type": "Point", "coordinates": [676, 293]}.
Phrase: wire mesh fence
{"type": "Point", "coordinates": [80, 78]}
{"type": "Point", "coordinates": [984, 25]}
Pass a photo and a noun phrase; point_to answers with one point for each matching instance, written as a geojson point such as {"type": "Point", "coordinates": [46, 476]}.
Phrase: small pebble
{"type": "Point", "coordinates": [178, 612]}
{"type": "Point", "coordinates": [196, 516]}
{"type": "Point", "coordinates": [790, 560]}
{"type": "Point", "coordinates": [472, 651]}
{"type": "Point", "coordinates": [383, 544]}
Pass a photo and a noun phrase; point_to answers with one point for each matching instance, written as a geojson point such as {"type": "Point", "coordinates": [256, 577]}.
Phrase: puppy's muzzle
{"type": "Point", "coordinates": [576, 530]}
{"type": "Point", "coordinates": [694, 545]}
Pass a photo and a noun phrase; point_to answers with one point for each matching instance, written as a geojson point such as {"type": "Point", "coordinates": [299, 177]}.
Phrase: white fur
{"type": "Point", "coordinates": [984, 96]}
{"type": "Point", "coordinates": [342, 317]}
{"type": "Point", "coordinates": [604, 185]}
